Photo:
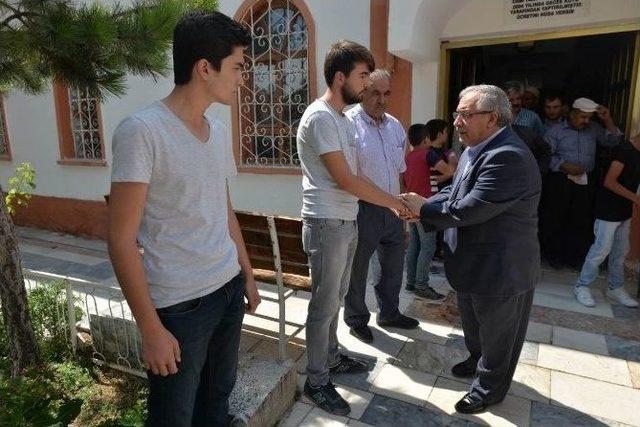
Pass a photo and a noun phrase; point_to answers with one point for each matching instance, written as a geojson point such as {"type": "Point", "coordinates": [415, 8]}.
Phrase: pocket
{"type": "Point", "coordinates": [180, 309]}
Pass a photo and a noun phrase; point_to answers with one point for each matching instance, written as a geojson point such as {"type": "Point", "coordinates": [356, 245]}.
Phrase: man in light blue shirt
{"type": "Point", "coordinates": [521, 116]}
{"type": "Point", "coordinates": [567, 212]}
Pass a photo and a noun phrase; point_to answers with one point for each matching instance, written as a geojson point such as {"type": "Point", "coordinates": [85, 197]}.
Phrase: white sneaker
{"type": "Point", "coordinates": [583, 295]}
{"type": "Point", "coordinates": [621, 296]}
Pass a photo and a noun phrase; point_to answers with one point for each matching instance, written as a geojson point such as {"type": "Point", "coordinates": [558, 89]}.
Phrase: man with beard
{"type": "Point", "coordinates": [380, 148]}
{"type": "Point", "coordinates": [330, 192]}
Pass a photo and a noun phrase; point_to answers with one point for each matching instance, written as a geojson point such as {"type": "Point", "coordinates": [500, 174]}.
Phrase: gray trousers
{"type": "Point", "coordinates": [378, 229]}
{"type": "Point", "coordinates": [494, 331]}
{"type": "Point", "coordinates": [330, 245]}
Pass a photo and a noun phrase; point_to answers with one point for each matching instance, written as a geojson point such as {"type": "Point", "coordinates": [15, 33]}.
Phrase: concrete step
{"type": "Point", "coordinates": [265, 390]}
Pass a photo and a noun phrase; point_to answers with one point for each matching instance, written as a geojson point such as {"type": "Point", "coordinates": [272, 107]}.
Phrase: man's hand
{"type": "Point", "coordinates": [400, 208]}
{"type": "Point", "coordinates": [571, 168]}
{"type": "Point", "coordinates": [161, 351]}
{"type": "Point", "coordinates": [414, 203]}
{"type": "Point", "coordinates": [252, 295]}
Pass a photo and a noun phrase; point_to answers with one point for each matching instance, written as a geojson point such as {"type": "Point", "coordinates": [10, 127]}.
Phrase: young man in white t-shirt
{"type": "Point", "coordinates": [331, 189]}
{"type": "Point", "coordinates": [171, 162]}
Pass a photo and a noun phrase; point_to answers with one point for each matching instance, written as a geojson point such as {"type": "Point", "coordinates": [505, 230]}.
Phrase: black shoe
{"type": "Point", "coordinates": [363, 333]}
{"type": "Point", "coordinates": [400, 322]}
{"type": "Point", "coordinates": [465, 369]}
{"type": "Point", "coordinates": [434, 270]}
{"type": "Point", "coordinates": [471, 404]}
{"type": "Point", "coordinates": [327, 398]}
{"type": "Point", "coordinates": [348, 365]}
{"type": "Point", "coordinates": [430, 295]}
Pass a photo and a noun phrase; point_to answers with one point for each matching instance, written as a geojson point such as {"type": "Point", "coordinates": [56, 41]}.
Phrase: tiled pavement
{"type": "Point", "coordinates": [579, 366]}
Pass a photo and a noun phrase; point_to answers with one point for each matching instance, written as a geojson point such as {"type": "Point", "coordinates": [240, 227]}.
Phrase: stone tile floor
{"type": "Point", "coordinates": [580, 366]}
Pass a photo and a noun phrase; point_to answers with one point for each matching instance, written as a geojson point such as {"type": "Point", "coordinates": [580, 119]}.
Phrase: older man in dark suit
{"type": "Point", "coordinates": [492, 257]}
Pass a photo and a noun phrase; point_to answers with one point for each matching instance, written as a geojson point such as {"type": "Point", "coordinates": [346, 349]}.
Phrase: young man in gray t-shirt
{"type": "Point", "coordinates": [171, 162]}
{"type": "Point", "coordinates": [331, 189]}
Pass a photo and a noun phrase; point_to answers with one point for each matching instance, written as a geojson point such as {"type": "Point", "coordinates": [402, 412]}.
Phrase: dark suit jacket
{"type": "Point", "coordinates": [494, 207]}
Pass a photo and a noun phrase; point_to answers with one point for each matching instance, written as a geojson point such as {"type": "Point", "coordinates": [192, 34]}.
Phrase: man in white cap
{"type": "Point", "coordinates": [568, 195]}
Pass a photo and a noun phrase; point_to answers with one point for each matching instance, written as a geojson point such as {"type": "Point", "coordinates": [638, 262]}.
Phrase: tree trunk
{"type": "Point", "coordinates": [13, 298]}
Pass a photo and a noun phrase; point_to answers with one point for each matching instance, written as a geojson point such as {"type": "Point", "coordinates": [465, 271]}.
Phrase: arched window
{"type": "Point", "coordinates": [277, 83]}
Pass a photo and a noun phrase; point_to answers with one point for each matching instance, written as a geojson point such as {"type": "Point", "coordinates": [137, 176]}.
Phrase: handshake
{"type": "Point", "coordinates": [408, 205]}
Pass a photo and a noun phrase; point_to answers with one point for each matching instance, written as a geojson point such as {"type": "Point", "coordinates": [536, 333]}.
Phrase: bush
{"type": "Point", "coordinates": [43, 396]}
{"type": "Point", "coordinates": [65, 389]}
{"type": "Point", "coordinates": [48, 309]}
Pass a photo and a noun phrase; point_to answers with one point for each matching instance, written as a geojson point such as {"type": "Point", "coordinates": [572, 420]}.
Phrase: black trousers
{"type": "Point", "coordinates": [567, 219]}
{"type": "Point", "coordinates": [378, 229]}
{"type": "Point", "coordinates": [494, 331]}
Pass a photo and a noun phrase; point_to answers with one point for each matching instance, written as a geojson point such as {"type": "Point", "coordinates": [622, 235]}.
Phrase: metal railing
{"type": "Point", "coordinates": [114, 338]}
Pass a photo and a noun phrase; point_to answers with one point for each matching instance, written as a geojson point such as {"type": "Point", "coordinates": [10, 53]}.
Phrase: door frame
{"type": "Point", "coordinates": [633, 111]}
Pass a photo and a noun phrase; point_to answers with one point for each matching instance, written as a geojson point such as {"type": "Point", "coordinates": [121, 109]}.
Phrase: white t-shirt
{"type": "Point", "coordinates": [323, 130]}
{"type": "Point", "coordinates": [188, 251]}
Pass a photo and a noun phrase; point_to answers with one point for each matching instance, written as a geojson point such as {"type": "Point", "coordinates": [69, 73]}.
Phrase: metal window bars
{"type": "Point", "coordinates": [85, 124]}
{"type": "Point", "coordinates": [275, 85]}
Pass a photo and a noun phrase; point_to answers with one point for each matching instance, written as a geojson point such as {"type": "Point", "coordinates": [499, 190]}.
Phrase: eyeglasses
{"type": "Point", "coordinates": [466, 115]}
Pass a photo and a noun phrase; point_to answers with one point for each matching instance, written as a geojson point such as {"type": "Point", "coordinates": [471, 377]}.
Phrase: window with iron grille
{"type": "Point", "coordinates": [79, 126]}
{"type": "Point", "coordinates": [275, 88]}
{"type": "Point", "coordinates": [85, 124]}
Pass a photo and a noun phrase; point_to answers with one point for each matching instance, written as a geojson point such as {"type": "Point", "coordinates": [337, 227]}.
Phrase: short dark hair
{"type": "Point", "coordinates": [551, 95]}
{"type": "Point", "coordinates": [206, 35]}
{"type": "Point", "coordinates": [343, 56]}
{"type": "Point", "coordinates": [435, 126]}
{"type": "Point", "coordinates": [416, 134]}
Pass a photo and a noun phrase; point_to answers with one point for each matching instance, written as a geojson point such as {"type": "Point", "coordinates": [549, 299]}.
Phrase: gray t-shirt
{"type": "Point", "coordinates": [188, 251]}
{"type": "Point", "coordinates": [323, 130]}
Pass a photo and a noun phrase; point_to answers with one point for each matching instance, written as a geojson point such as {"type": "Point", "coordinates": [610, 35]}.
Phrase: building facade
{"type": "Point", "coordinates": [432, 48]}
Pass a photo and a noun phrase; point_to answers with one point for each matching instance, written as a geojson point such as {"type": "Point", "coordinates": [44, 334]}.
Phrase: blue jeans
{"type": "Point", "coordinates": [612, 238]}
{"type": "Point", "coordinates": [208, 331]}
{"type": "Point", "coordinates": [330, 245]}
{"type": "Point", "coordinates": [422, 246]}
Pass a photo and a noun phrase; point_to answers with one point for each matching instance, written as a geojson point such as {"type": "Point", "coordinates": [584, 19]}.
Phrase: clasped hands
{"type": "Point", "coordinates": [409, 207]}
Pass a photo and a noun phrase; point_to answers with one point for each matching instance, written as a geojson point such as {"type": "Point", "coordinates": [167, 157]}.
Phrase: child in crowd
{"type": "Point", "coordinates": [422, 245]}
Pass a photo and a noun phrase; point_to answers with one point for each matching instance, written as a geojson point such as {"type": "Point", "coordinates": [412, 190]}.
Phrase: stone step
{"type": "Point", "coordinates": [265, 390]}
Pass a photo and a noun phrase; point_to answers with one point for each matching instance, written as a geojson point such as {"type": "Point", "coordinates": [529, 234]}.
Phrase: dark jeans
{"type": "Point", "coordinates": [208, 330]}
{"type": "Point", "coordinates": [378, 229]}
{"type": "Point", "coordinates": [567, 219]}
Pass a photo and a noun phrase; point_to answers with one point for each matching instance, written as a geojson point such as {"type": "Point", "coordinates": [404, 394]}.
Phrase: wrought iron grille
{"type": "Point", "coordinates": [4, 146]}
{"type": "Point", "coordinates": [275, 84]}
{"type": "Point", "coordinates": [85, 124]}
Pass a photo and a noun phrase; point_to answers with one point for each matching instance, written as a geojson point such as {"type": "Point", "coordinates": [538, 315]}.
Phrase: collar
{"type": "Point", "coordinates": [559, 120]}
{"type": "Point", "coordinates": [370, 120]}
{"type": "Point", "coordinates": [477, 149]}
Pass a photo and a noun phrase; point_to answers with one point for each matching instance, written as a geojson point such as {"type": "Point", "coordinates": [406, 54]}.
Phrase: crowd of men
{"type": "Point", "coordinates": [363, 190]}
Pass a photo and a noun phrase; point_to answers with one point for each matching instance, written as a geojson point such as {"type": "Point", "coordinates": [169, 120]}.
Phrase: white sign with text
{"type": "Point", "coordinates": [542, 10]}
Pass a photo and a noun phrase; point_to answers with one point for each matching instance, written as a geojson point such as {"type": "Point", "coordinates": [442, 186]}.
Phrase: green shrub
{"type": "Point", "coordinates": [39, 397]}
{"type": "Point", "coordinates": [48, 309]}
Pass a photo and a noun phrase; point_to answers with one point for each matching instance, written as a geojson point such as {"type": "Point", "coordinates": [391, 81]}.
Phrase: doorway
{"type": "Point", "coordinates": [600, 64]}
